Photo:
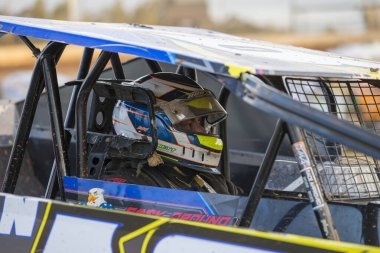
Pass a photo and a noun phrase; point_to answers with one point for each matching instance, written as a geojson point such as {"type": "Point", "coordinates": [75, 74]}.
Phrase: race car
{"type": "Point", "coordinates": [192, 130]}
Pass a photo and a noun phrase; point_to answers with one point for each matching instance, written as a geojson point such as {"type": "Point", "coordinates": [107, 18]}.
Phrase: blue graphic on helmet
{"type": "Point", "coordinates": [182, 112]}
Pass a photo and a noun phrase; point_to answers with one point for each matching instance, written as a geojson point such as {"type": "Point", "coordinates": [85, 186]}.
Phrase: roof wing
{"type": "Point", "coordinates": [202, 49]}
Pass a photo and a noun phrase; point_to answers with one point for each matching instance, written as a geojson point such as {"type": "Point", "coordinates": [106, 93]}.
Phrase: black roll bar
{"type": "Point", "coordinates": [117, 66]}
{"type": "Point", "coordinates": [262, 176]}
{"type": "Point", "coordinates": [81, 112]}
{"type": "Point", "coordinates": [154, 66]}
{"type": "Point", "coordinates": [54, 49]}
{"type": "Point", "coordinates": [225, 164]}
{"type": "Point", "coordinates": [55, 110]}
{"type": "Point", "coordinates": [84, 67]}
{"type": "Point", "coordinates": [268, 99]}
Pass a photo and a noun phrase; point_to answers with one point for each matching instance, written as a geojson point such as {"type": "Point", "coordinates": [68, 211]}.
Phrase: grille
{"type": "Point", "coordinates": [344, 172]}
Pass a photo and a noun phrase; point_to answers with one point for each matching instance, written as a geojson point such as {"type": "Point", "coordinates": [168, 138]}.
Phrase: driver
{"type": "Point", "coordinates": [188, 151]}
{"type": "Point", "coordinates": [192, 125]}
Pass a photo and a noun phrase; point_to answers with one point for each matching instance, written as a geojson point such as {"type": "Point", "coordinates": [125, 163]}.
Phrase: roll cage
{"type": "Point", "coordinates": [295, 119]}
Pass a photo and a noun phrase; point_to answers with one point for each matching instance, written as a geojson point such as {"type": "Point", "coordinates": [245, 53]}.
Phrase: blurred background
{"type": "Point", "coordinates": [348, 27]}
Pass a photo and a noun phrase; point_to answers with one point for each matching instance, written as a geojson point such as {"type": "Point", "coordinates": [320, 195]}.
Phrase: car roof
{"type": "Point", "coordinates": [197, 48]}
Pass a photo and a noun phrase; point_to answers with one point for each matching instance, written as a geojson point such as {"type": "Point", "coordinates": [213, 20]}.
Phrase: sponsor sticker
{"type": "Point", "coordinates": [164, 147]}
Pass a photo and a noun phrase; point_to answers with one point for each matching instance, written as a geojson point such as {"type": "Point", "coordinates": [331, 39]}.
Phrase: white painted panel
{"type": "Point", "coordinates": [75, 234]}
{"type": "Point", "coordinates": [186, 244]}
{"type": "Point", "coordinates": [20, 213]}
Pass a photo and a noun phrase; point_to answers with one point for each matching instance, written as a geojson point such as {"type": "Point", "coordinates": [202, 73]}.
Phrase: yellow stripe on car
{"type": "Point", "coordinates": [236, 71]}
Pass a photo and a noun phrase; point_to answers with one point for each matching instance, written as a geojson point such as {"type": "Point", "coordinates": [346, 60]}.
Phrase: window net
{"type": "Point", "coordinates": [344, 172]}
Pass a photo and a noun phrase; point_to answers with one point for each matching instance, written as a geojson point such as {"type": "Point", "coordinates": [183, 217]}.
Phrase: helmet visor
{"type": "Point", "coordinates": [200, 105]}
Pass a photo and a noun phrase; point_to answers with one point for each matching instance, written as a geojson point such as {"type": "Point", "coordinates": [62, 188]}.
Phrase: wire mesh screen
{"type": "Point", "coordinates": [344, 173]}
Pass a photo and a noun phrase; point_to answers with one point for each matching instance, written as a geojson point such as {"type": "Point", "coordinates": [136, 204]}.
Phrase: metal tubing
{"type": "Point", "coordinates": [263, 174]}
{"type": "Point", "coordinates": [58, 136]}
{"type": "Point", "coordinates": [225, 165]}
{"type": "Point", "coordinates": [81, 113]}
{"type": "Point", "coordinates": [154, 66]}
{"type": "Point", "coordinates": [70, 116]}
{"type": "Point", "coordinates": [117, 67]}
{"type": "Point", "coordinates": [26, 120]}
{"type": "Point", "coordinates": [189, 72]}
{"type": "Point", "coordinates": [312, 184]}
{"type": "Point", "coordinates": [268, 99]}
{"type": "Point", "coordinates": [370, 225]}
{"type": "Point", "coordinates": [35, 51]}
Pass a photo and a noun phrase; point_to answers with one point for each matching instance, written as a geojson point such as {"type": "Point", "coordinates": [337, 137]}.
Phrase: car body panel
{"type": "Point", "coordinates": [198, 48]}
{"type": "Point", "coordinates": [31, 224]}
